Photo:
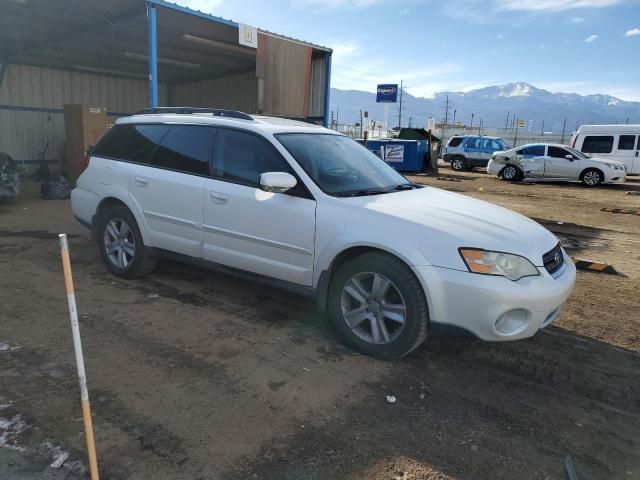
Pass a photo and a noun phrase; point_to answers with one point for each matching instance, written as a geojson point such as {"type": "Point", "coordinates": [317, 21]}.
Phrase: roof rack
{"type": "Point", "coordinates": [216, 112]}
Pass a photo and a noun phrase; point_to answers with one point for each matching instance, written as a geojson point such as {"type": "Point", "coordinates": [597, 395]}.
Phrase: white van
{"type": "Point", "coordinates": [615, 142]}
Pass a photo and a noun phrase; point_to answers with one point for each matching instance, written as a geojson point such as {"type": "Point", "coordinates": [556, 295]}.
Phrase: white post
{"type": "Point", "coordinates": [77, 347]}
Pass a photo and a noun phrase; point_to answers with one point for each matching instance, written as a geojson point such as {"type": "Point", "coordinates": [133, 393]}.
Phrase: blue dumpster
{"type": "Point", "coordinates": [403, 155]}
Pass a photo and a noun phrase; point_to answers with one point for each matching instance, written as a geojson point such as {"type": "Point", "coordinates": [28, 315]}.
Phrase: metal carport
{"type": "Point", "coordinates": [128, 54]}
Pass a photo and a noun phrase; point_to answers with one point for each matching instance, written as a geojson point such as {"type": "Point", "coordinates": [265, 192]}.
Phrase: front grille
{"type": "Point", "coordinates": [553, 259]}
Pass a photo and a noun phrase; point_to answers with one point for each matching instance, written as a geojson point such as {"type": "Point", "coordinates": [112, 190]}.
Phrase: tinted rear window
{"type": "Point", "coordinates": [129, 142]}
{"type": "Point", "coordinates": [597, 144]}
{"type": "Point", "coordinates": [186, 148]}
{"type": "Point", "coordinates": [455, 141]}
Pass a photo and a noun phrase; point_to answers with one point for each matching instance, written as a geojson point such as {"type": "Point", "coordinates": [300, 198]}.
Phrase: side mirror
{"type": "Point", "coordinates": [277, 182]}
{"type": "Point", "coordinates": [569, 157]}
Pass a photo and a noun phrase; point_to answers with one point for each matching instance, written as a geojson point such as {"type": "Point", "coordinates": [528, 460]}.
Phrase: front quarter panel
{"type": "Point", "coordinates": [340, 227]}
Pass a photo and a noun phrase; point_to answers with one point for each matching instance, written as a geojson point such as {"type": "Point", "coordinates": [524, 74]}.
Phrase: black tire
{"type": "Point", "coordinates": [143, 262]}
{"type": "Point", "coordinates": [459, 164]}
{"type": "Point", "coordinates": [416, 324]}
{"type": "Point", "coordinates": [511, 173]}
{"type": "Point", "coordinates": [592, 177]}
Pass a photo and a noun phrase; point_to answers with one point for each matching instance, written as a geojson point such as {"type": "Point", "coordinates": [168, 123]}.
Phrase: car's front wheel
{"type": "Point", "coordinates": [511, 173]}
{"type": "Point", "coordinates": [378, 305]}
{"type": "Point", "coordinates": [592, 177]}
{"type": "Point", "coordinates": [121, 244]}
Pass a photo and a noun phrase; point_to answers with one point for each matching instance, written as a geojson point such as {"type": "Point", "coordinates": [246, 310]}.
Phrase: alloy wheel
{"type": "Point", "coordinates": [591, 178]}
{"type": "Point", "coordinates": [119, 243]}
{"type": "Point", "coordinates": [457, 164]}
{"type": "Point", "coordinates": [509, 173]}
{"type": "Point", "coordinates": [373, 308]}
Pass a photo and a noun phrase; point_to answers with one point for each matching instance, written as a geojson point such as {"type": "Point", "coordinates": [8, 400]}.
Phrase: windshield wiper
{"type": "Point", "coordinates": [406, 186]}
{"type": "Point", "coordinates": [361, 193]}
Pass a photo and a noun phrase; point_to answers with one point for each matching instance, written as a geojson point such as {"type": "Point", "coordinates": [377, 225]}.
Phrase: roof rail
{"type": "Point", "coordinates": [216, 112]}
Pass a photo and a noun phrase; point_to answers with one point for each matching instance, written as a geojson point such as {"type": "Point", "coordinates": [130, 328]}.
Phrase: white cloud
{"type": "Point", "coordinates": [333, 4]}
{"type": "Point", "coordinates": [344, 50]}
{"type": "Point", "coordinates": [591, 38]}
{"type": "Point", "coordinates": [633, 32]}
{"type": "Point", "coordinates": [206, 6]}
{"type": "Point", "coordinates": [577, 20]}
{"type": "Point", "coordinates": [552, 5]}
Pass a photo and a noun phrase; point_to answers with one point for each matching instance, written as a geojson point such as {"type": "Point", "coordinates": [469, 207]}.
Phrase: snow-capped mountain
{"type": "Point", "coordinates": [491, 104]}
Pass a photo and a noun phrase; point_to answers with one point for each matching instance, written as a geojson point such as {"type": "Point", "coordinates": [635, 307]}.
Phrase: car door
{"type": "Point", "coordinates": [531, 160]}
{"type": "Point", "coordinates": [270, 234]}
{"type": "Point", "coordinates": [558, 166]}
{"type": "Point", "coordinates": [169, 190]}
{"type": "Point", "coordinates": [635, 167]}
{"type": "Point", "coordinates": [473, 148]}
{"type": "Point", "coordinates": [626, 151]}
{"type": "Point", "coordinates": [489, 145]}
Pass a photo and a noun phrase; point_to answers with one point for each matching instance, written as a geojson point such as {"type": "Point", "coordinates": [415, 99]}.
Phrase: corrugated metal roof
{"type": "Point", "coordinates": [99, 36]}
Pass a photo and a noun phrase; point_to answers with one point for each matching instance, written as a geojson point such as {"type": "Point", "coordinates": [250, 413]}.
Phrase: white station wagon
{"type": "Point", "coordinates": [311, 210]}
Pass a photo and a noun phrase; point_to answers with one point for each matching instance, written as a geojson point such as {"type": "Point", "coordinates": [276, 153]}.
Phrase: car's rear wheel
{"type": "Point", "coordinates": [458, 163]}
{"type": "Point", "coordinates": [511, 173]}
{"type": "Point", "coordinates": [377, 304]}
{"type": "Point", "coordinates": [121, 244]}
{"type": "Point", "coordinates": [592, 177]}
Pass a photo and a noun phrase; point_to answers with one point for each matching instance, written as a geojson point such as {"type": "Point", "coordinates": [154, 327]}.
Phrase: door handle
{"type": "Point", "coordinates": [219, 198]}
{"type": "Point", "coordinates": [141, 181]}
{"type": "Point", "coordinates": [637, 153]}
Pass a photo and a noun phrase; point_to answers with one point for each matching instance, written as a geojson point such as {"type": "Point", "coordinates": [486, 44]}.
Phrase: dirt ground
{"type": "Point", "coordinates": [194, 375]}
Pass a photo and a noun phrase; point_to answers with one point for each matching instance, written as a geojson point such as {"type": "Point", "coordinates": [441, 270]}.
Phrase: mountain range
{"type": "Point", "coordinates": [491, 104]}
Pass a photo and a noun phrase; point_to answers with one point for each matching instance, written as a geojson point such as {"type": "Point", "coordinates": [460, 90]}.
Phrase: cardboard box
{"type": "Point", "coordinates": [84, 126]}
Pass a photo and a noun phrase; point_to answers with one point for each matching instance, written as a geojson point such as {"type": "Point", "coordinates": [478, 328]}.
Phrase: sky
{"type": "Point", "coordinates": [575, 46]}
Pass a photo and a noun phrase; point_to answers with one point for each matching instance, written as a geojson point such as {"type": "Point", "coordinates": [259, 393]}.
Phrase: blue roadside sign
{"type": "Point", "coordinates": [387, 93]}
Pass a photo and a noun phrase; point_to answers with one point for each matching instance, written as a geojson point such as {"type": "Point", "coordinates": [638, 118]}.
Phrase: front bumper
{"type": "Point", "coordinates": [495, 308]}
{"type": "Point", "coordinates": [494, 168]}
{"type": "Point", "coordinates": [615, 176]}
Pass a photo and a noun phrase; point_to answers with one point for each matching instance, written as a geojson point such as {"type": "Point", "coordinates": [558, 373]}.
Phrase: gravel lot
{"type": "Point", "coordinates": [194, 375]}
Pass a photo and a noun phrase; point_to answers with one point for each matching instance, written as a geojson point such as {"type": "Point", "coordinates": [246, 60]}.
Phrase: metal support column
{"type": "Point", "coordinates": [153, 55]}
{"type": "Point", "coordinates": [327, 90]}
{"type": "Point", "coordinates": [3, 71]}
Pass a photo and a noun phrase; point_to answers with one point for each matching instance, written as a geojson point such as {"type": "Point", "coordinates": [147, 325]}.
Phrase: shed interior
{"type": "Point", "coordinates": [96, 53]}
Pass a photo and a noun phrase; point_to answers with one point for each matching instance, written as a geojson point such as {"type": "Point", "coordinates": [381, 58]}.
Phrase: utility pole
{"type": "Point", "coordinates": [446, 117]}
{"type": "Point", "coordinates": [332, 120]}
{"type": "Point", "coordinates": [515, 136]}
{"type": "Point", "coordinates": [472, 115]}
{"type": "Point", "coordinates": [480, 128]}
{"type": "Point", "coordinates": [627, 120]}
{"type": "Point", "coordinates": [454, 117]}
{"type": "Point", "coordinates": [506, 125]}
{"type": "Point", "coordinates": [400, 108]}
{"type": "Point", "coordinates": [542, 129]}
{"type": "Point", "coordinates": [564, 125]}
{"type": "Point", "coordinates": [360, 123]}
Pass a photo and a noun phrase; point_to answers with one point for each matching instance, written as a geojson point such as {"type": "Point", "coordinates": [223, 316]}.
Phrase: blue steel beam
{"type": "Point", "coordinates": [195, 13]}
{"type": "Point", "coordinates": [327, 89]}
{"type": "Point", "coordinates": [153, 54]}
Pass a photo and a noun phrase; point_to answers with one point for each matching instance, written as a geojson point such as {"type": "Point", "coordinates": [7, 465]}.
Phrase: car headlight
{"type": "Point", "coordinates": [486, 262]}
{"type": "Point", "coordinates": [612, 166]}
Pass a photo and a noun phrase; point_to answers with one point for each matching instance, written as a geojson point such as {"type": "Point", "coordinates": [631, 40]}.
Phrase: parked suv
{"type": "Point", "coordinates": [465, 152]}
{"type": "Point", "coordinates": [311, 210]}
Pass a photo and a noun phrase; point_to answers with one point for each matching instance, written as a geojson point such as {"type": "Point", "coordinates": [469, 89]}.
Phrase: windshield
{"type": "Point", "coordinates": [341, 166]}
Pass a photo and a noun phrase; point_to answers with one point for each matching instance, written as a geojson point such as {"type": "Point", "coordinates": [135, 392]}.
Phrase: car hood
{"type": "Point", "coordinates": [441, 222]}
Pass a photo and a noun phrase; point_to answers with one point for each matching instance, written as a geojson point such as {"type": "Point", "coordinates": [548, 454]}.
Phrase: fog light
{"type": "Point", "coordinates": [512, 322]}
